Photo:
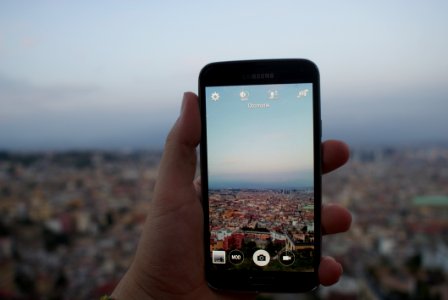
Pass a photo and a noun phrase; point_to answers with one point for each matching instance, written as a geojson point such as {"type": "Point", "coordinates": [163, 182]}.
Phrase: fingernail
{"type": "Point", "coordinates": [184, 100]}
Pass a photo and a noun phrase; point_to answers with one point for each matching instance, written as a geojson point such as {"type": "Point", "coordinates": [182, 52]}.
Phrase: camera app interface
{"type": "Point", "coordinates": [260, 176]}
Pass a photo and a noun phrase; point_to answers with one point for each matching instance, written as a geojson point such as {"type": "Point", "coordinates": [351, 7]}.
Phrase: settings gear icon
{"type": "Point", "coordinates": [215, 96]}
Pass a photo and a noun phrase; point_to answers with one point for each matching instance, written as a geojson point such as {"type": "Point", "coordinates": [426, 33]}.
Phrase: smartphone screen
{"type": "Point", "coordinates": [260, 181]}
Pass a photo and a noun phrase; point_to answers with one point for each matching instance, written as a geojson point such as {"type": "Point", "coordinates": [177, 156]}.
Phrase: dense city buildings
{"type": "Point", "coordinates": [275, 220]}
{"type": "Point", "coordinates": [397, 247]}
{"type": "Point", "coordinates": [70, 222]}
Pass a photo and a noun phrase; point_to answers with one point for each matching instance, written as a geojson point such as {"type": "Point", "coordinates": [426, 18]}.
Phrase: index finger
{"type": "Point", "coordinates": [334, 155]}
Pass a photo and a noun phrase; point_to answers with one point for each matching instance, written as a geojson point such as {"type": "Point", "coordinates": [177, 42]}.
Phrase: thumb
{"type": "Point", "coordinates": [178, 163]}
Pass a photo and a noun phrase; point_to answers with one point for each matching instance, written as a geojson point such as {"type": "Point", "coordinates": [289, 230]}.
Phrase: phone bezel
{"type": "Point", "coordinates": [258, 72]}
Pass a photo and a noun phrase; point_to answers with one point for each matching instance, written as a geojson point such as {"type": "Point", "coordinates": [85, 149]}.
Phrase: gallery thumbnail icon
{"type": "Point", "coordinates": [219, 257]}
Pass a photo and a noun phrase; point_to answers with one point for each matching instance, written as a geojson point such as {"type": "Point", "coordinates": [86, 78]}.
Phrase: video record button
{"type": "Point", "coordinates": [286, 258]}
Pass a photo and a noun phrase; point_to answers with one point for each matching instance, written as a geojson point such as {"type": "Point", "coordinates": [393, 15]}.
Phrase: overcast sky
{"type": "Point", "coordinates": [83, 74]}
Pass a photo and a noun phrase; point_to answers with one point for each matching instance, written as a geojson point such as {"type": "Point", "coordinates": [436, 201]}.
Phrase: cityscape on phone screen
{"type": "Point", "coordinates": [261, 177]}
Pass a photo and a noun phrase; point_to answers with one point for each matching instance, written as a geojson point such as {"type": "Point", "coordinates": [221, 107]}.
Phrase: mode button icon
{"type": "Point", "coordinates": [236, 257]}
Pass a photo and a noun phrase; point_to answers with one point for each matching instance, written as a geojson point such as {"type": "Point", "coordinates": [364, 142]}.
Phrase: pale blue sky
{"type": "Point", "coordinates": [111, 73]}
{"type": "Point", "coordinates": [257, 141]}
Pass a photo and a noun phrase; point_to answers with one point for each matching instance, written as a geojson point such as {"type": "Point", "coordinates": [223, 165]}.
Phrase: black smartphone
{"type": "Point", "coordinates": [260, 159]}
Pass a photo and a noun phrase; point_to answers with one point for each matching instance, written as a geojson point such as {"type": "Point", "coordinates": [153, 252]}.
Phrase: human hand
{"type": "Point", "coordinates": [169, 263]}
